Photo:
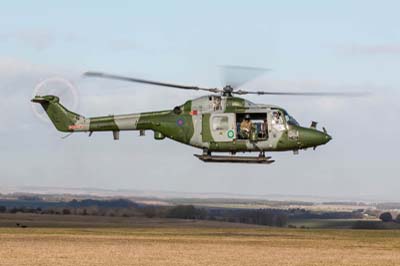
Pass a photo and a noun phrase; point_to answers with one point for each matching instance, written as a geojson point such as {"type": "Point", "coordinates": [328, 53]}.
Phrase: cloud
{"type": "Point", "coordinates": [13, 67]}
{"type": "Point", "coordinates": [124, 45]}
{"type": "Point", "coordinates": [37, 39]}
{"type": "Point", "coordinates": [378, 49]}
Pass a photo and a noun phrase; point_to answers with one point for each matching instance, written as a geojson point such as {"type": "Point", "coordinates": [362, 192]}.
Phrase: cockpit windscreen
{"type": "Point", "coordinates": [290, 119]}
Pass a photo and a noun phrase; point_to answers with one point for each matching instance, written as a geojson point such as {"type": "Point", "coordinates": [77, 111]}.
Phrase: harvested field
{"type": "Point", "coordinates": [204, 243]}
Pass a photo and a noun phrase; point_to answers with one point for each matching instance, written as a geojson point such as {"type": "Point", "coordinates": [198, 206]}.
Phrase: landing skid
{"type": "Point", "coordinates": [234, 159]}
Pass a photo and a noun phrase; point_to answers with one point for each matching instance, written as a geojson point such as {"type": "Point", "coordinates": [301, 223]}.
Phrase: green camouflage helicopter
{"type": "Point", "coordinates": [219, 122]}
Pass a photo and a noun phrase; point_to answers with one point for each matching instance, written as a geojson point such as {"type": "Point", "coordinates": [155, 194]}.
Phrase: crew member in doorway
{"type": "Point", "coordinates": [245, 127]}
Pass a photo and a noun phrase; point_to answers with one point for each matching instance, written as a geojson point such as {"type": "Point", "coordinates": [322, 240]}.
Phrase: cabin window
{"type": "Point", "coordinates": [220, 123]}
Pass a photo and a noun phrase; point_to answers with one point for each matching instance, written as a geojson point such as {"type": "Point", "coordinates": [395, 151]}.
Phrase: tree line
{"type": "Point", "coordinates": [128, 208]}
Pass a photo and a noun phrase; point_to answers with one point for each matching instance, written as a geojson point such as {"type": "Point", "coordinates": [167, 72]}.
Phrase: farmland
{"type": "Point", "coordinates": [84, 240]}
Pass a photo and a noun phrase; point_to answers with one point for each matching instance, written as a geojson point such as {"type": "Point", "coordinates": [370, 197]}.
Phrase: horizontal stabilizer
{"type": "Point", "coordinates": [39, 99]}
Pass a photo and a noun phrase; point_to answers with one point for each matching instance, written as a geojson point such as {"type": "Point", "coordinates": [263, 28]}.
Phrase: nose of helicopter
{"type": "Point", "coordinates": [328, 137]}
{"type": "Point", "coordinates": [312, 137]}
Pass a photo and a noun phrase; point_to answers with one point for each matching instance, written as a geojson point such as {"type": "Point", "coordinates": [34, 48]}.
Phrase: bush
{"type": "Point", "coordinates": [398, 218]}
{"type": "Point", "coordinates": [3, 209]}
{"type": "Point", "coordinates": [186, 212]}
{"type": "Point", "coordinates": [149, 211]}
{"type": "Point", "coordinates": [281, 220]}
{"type": "Point", "coordinates": [15, 210]}
{"type": "Point", "coordinates": [366, 225]}
{"type": "Point", "coordinates": [386, 217]}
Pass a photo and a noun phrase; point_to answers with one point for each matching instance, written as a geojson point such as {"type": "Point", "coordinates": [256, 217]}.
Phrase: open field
{"type": "Point", "coordinates": [109, 241]}
{"type": "Point", "coordinates": [86, 221]}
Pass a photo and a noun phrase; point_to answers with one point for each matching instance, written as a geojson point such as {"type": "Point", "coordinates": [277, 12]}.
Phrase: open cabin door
{"type": "Point", "coordinates": [220, 127]}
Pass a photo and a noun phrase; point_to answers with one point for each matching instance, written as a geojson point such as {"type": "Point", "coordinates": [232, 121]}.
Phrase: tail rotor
{"type": "Point", "coordinates": [59, 87]}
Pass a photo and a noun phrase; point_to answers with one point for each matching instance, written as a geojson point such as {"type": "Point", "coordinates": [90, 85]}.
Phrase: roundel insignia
{"type": "Point", "coordinates": [230, 134]}
{"type": "Point", "coordinates": [180, 122]}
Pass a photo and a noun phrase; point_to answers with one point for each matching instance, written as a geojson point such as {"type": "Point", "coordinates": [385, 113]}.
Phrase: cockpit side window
{"type": "Point", "coordinates": [290, 119]}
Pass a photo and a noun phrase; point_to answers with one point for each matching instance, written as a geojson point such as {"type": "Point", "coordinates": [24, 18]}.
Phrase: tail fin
{"type": "Point", "coordinates": [62, 118]}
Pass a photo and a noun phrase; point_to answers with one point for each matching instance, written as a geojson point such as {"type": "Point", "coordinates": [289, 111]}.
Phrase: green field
{"type": "Point", "coordinates": [84, 240]}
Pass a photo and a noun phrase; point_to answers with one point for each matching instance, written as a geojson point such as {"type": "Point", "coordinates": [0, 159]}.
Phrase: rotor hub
{"type": "Point", "coordinates": [227, 90]}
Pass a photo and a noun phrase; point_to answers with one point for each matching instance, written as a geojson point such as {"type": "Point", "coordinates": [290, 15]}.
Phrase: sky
{"type": "Point", "coordinates": [309, 45]}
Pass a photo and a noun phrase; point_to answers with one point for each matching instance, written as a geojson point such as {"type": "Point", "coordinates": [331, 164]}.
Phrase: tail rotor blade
{"type": "Point", "coordinates": [57, 86]}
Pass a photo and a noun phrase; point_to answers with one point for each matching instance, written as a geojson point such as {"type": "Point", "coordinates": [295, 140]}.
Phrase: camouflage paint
{"type": "Point", "coordinates": [58, 114]}
{"type": "Point", "coordinates": [190, 124]}
{"type": "Point", "coordinates": [206, 130]}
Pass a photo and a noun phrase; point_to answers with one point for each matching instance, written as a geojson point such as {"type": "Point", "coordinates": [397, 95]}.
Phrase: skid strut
{"type": "Point", "coordinates": [261, 159]}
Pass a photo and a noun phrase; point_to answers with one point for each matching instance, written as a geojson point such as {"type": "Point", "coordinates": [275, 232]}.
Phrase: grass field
{"type": "Point", "coordinates": [128, 241]}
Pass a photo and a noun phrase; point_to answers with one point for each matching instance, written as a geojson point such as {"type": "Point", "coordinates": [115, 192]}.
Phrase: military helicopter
{"type": "Point", "coordinates": [216, 123]}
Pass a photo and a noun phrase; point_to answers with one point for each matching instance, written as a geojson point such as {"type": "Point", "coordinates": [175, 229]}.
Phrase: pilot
{"type": "Point", "coordinates": [277, 121]}
{"type": "Point", "coordinates": [276, 117]}
{"type": "Point", "coordinates": [245, 127]}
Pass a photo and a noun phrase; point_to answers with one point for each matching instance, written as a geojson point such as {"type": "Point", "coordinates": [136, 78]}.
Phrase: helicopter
{"type": "Point", "coordinates": [220, 122]}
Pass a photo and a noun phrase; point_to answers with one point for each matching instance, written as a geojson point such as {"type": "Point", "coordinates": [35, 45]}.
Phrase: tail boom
{"type": "Point", "coordinates": [67, 121]}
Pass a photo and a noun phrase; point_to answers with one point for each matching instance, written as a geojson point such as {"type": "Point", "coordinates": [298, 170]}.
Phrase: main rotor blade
{"type": "Point", "coordinates": [236, 76]}
{"type": "Point", "coordinates": [323, 94]}
{"type": "Point", "coordinates": [163, 84]}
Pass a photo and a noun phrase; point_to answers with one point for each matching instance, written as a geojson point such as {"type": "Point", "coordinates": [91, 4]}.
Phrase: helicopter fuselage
{"type": "Point", "coordinates": [211, 123]}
